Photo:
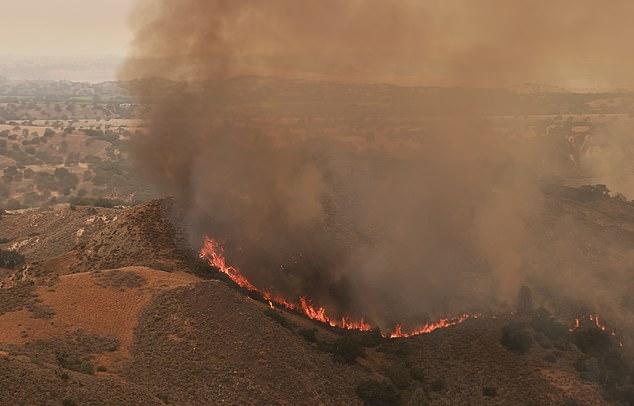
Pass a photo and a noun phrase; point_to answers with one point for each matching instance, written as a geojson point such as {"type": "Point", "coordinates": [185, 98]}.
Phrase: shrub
{"type": "Point", "coordinates": [309, 334]}
{"type": "Point", "coordinates": [11, 259]}
{"type": "Point", "coordinates": [74, 363]}
{"type": "Point", "coordinates": [374, 393]}
{"type": "Point", "coordinates": [418, 398]}
{"type": "Point", "coordinates": [525, 300]}
{"type": "Point", "coordinates": [543, 341]}
{"type": "Point", "coordinates": [438, 385]}
{"type": "Point", "coordinates": [96, 202]}
{"type": "Point", "coordinates": [417, 373]}
{"type": "Point", "coordinates": [592, 341]}
{"type": "Point", "coordinates": [400, 376]}
{"type": "Point", "coordinates": [545, 324]}
{"type": "Point", "coordinates": [370, 338]}
{"type": "Point", "coordinates": [516, 337]}
{"type": "Point", "coordinates": [281, 320]}
{"type": "Point", "coordinates": [550, 357]}
{"type": "Point", "coordinates": [398, 348]}
{"type": "Point", "coordinates": [346, 349]}
{"type": "Point", "coordinates": [489, 391]}
{"type": "Point", "coordinates": [588, 368]}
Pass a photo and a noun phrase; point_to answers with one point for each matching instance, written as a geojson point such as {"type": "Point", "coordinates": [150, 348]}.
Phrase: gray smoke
{"type": "Point", "coordinates": [446, 219]}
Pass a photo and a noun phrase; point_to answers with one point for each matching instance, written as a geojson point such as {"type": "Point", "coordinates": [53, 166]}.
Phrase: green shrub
{"type": "Point", "coordinates": [516, 337]}
{"type": "Point", "coordinates": [374, 393]}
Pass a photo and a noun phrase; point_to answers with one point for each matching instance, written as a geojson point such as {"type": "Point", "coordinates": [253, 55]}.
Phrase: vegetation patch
{"type": "Point", "coordinates": [72, 352]}
{"type": "Point", "coordinates": [345, 349]}
{"type": "Point", "coordinates": [279, 318]}
{"type": "Point", "coordinates": [378, 393]}
{"type": "Point", "coordinates": [489, 391]}
{"type": "Point", "coordinates": [17, 297]}
{"type": "Point", "coordinates": [118, 279]}
{"type": "Point", "coordinates": [516, 337]}
{"type": "Point", "coordinates": [309, 334]}
{"type": "Point", "coordinates": [11, 259]}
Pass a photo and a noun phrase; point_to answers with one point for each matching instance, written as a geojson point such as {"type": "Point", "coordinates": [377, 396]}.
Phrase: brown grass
{"type": "Point", "coordinates": [79, 302]}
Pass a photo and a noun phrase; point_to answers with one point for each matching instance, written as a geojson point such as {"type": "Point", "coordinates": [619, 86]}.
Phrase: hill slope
{"type": "Point", "coordinates": [116, 314]}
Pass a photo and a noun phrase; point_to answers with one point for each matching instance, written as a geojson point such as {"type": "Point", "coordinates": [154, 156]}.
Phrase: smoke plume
{"type": "Point", "coordinates": [316, 190]}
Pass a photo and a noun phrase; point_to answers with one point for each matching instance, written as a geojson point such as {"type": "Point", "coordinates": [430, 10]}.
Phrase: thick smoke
{"type": "Point", "coordinates": [392, 227]}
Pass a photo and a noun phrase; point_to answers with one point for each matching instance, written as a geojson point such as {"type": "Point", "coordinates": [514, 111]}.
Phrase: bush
{"type": "Point", "coordinates": [417, 373]}
{"type": "Point", "coordinates": [592, 341]}
{"type": "Point", "coordinates": [516, 337]}
{"type": "Point", "coordinates": [400, 376]}
{"type": "Point", "coordinates": [11, 259]}
{"type": "Point", "coordinates": [309, 334]}
{"type": "Point", "coordinates": [281, 320]}
{"type": "Point", "coordinates": [370, 338]}
{"type": "Point", "coordinates": [543, 341]}
{"type": "Point", "coordinates": [588, 368]}
{"type": "Point", "coordinates": [398, 348]}
{"type": "Point", "coordinates": [374, 393]}
{"type": "Point", "coordinates": [418, 398]}
{"type": "Point", "coordinates": [544, 323]}
{"type": "Point", "coordinates": [550, 357]}
{"type": "Point", "coordinates": [95, 202]}
{"type": "Point", "coordinates": [74, 363]}
{"type": "Point", "coordinates": [489, 391]}
{"type": "Point", "coordinates": [525, 300]}
{"type": "Point", "coordinates": [438, 385]}
{"type": "Point", "coordinates": [346, 349]}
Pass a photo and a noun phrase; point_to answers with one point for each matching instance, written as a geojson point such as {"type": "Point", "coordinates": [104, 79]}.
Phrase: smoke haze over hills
{"type": "Point", "coordinates": [455, 220]}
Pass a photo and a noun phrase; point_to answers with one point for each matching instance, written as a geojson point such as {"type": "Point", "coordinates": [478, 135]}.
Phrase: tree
{"type": "Point", "coordinates": [525, 300]}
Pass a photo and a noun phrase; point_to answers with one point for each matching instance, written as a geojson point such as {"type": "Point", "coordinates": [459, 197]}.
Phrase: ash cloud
{"type": "Point", "coordinates": [394, 228]}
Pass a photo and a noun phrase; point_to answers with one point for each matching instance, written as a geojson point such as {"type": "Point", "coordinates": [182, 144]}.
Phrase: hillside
{"type": "Point", "coordinates": [110, 308]}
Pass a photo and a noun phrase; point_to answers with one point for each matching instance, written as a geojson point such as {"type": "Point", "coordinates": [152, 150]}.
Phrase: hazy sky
{"type": "Point", "coordinates": [65, 27]}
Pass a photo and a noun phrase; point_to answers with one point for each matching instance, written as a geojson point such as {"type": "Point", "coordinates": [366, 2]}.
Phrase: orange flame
{"type": "Point", "coordinates": [431, 327]}
{"type": "Point", "coordinates": [595, 319]}
{"type": "Point", "coordinates": [213, 252]}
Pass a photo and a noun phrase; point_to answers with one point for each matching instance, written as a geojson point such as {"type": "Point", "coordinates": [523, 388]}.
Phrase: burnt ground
{"type": "Point", "coordinates": [124, 319]}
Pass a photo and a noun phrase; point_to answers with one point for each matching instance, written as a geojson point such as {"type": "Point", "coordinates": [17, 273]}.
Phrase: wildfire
{"type": "Point", "coordinates": [596, 320]}
{"type": "Point", "coordinates": [433, 326]}
{"type": "Point", "coordinates": [213, 252]}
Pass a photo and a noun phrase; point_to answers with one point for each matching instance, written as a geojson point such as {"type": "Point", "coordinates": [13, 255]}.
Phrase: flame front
{"type": "Point", "coordinates": [431, 327]}
{"type": "Point", "coordinates": [213, 252]}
